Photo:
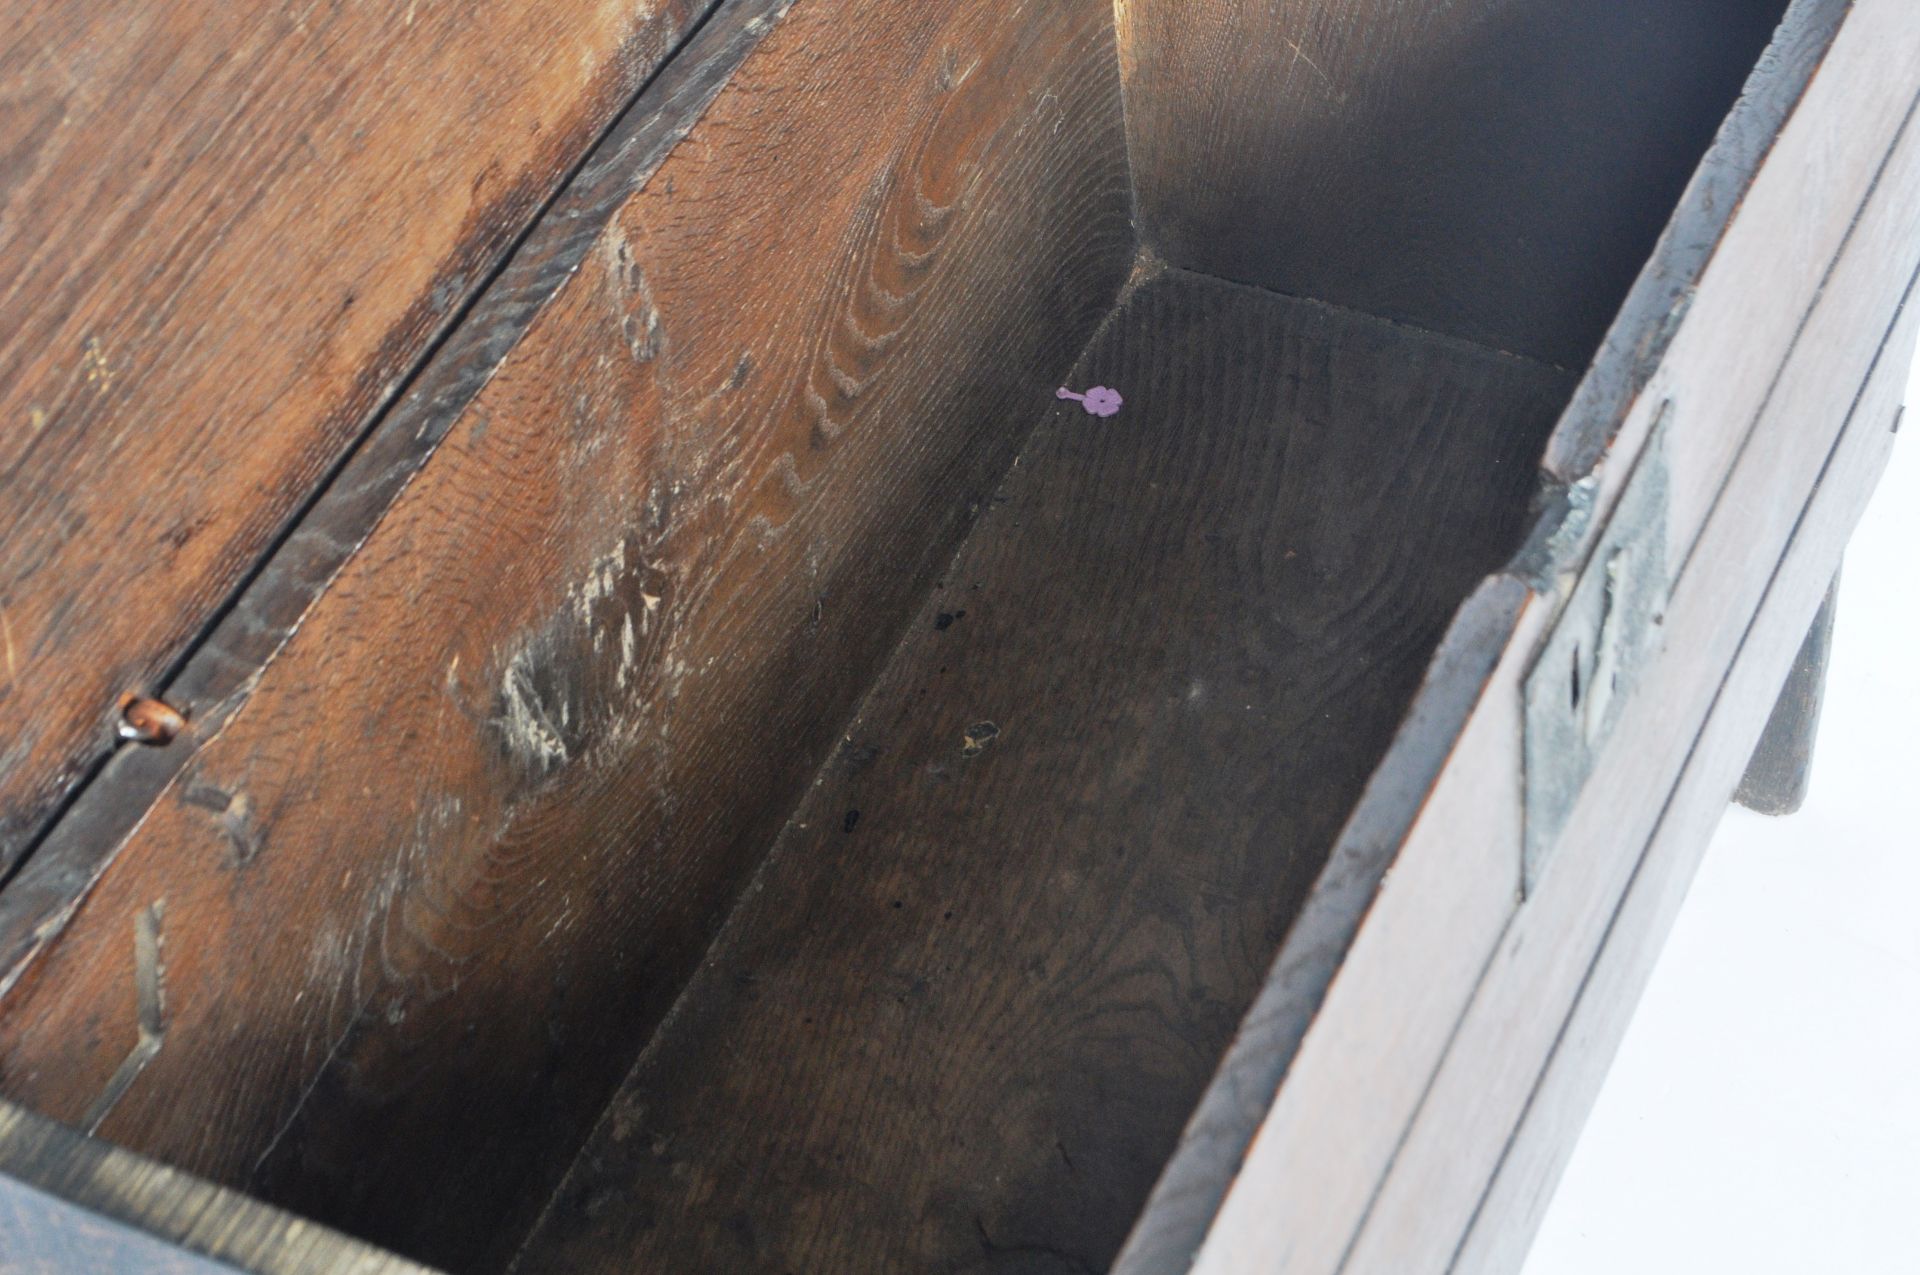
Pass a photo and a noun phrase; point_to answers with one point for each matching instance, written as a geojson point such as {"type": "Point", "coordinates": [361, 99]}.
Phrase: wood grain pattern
{"type": "Point", "coordinates": [1497, 169]}
{"type": "Point", "coordinates": [71, 1204]}
{"type": "Point", "coordinates": [1510, 1211]}
{"type": "Point", "coordinates": [961, 1017]}
{"type": "Point", "coordinates": [226, 237]}
{"type": "Point", "coordinates": [221, 672]}
{"type": "Point", "coordinates": [1426, 876]}
{"type": "Point", "coordinates": [438, 875]}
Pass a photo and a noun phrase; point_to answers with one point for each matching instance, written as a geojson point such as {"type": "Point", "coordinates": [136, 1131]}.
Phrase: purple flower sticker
{"type": "Point", "coordinates": [1099, 401]}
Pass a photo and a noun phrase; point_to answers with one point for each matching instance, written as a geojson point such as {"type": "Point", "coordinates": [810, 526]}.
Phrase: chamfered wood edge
{"type": "Point", "coordinates": [219, 671]}
{"type": "Point", "coordinates": [1514, 1200]}
{"type": "Point", "coordinates": [174, 1212]}
{"type": "Point", "coordinates": [1638, 339]}
{"type": "Point", "coordinates": [1203, 1168]}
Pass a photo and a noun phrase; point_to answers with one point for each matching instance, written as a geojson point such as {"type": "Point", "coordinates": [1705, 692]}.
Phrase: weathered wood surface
{"type": "Point", "coordinates": [1354, 1081]}
{"type": "Point", "coordinates": [71, 1204]}
{"type": "Point", "coordinates": [1509, 1214]}
{"type": "Point", "coordinates": [222, 671]}
{"type": "Point", "coordinates": [227, 234]}
{"type": "Point", "coordinates": [1506, 1036]}
{"type": "Point", "coordinates": [1364, 1067]}
{"type": "Point", "coordinates": [453, 856]}
{"type": "Point", "coordinates": [1497, 169]}
{"type": "Point", "coordinates": [961, 1017]}
{"type": "Point", "coordinates": [1781, 767]}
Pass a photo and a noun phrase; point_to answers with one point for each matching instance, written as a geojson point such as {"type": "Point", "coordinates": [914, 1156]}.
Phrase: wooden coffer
{"type": "Point", "coordinates": [589, 686]}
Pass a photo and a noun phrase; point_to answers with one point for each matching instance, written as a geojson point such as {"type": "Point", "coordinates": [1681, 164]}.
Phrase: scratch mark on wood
{"type": "Point", "coordinates": [149, 987]}
{"type": "Point", "coordinates": [1300, 55]}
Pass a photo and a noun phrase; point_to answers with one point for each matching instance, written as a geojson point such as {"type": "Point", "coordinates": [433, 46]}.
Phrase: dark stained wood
{"type": "Point", "coordinates": [220, 673]}
{"type": "Point", "coordinates": [227, 236]}
{"type": "Point", "coordinates": [1497, 169]}
{"type": "Point", "coordinates": [451, 855]}
{"type": "Point", "coordinates": [968, 1004]}
{"type": "Point", "coordinates": [72, 1204]}
{"type": "Point", "coordinates": [1777, 775]}
{"type": "Point", "coordinates": [1213, 1146]}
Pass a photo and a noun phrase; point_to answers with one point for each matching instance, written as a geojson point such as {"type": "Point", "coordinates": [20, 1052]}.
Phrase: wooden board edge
{"type": "Point", "coordinates": [90, 1193]}
{"type": "Point", "coordinates": [1416, 1208]}
{"type": "Point", "coordinates": [1638, 339]}
{"type": "Point", "coordinates": [1202, 1169]}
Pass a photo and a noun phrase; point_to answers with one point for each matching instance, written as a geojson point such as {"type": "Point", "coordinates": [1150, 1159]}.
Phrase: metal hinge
{"type": "Point", "coordinates": [1607, 631]}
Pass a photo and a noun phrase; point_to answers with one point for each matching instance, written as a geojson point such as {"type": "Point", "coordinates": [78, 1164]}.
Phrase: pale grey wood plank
{"type": "Point", "coordinates": [1500, 1045]}
{"type": "Point", "coordinates": [1517, 1197]}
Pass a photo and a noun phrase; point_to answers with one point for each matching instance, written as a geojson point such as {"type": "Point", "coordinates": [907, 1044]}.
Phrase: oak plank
{"type": "Point", "coordinates": [452, 852]}
{"type": "Point", "coordinates": [960, 1018]}
{"type": "Point", "coordinates": [227, 237]}
{"type": "Point", "coordinates": [1497, 169]}
{"type": "Point", "coordinates": [220, 672]}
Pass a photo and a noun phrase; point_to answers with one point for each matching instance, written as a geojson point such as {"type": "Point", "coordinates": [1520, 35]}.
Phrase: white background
{"type": "Point", "coordinates": [1763, 1115]}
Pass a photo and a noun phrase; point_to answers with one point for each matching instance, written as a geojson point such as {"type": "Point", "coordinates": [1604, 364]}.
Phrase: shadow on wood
{"type": "Point", "coordinates": [1782, 766]}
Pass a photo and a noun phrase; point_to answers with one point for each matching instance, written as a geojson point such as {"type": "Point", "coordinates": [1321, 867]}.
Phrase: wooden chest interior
{"type": "Point", "coordinates": [766, 784]}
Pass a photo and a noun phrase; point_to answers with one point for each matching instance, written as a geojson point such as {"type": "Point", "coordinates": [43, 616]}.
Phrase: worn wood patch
{"type": "Point", "coordinates": [966, 1008]}
{"type": "Point", "coordinates": [429, 888]}
{"type": "Point", "coordinates": [1498, 169]}
{"type": "Point", "coordinates": [227, 236]}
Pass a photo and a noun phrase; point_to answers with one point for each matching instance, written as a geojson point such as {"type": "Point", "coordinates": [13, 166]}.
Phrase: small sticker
{"type": "Point", "coordinates": [1099, 401]}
